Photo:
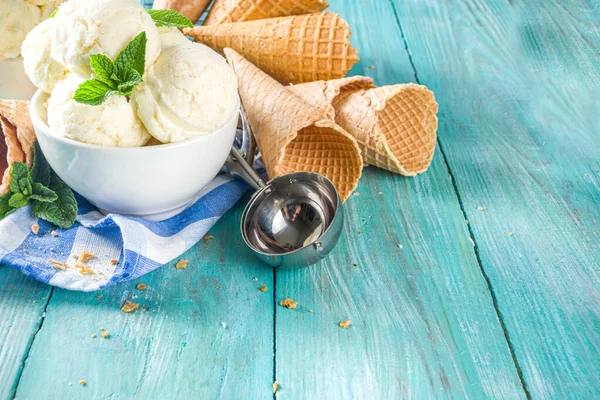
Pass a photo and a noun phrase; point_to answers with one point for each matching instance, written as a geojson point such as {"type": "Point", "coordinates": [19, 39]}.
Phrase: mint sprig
{"type": "Point", "coordinates": [170, 18]}
{"type": "Point", "coordinates": [51, 199]}
{"type": "Point", "coordinates": [118, 77]}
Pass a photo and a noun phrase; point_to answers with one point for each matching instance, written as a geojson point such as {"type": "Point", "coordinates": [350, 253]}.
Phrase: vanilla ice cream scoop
{"type": "Point", "coordinates": [170, 37]}
{"type": "Point", "coordinates": [17, 18]}
{"type": "Point", "coordinates": [42, 69]}
{"type": "Point", "coordinates": [113, 123]}
{"type": "Point", "coordinates": [86, 27]}
{"type": "Point", "coordinates": [189, 91]}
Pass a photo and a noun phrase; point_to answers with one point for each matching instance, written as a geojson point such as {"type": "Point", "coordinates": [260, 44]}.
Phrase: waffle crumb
{"type": "Point", "coordinates": [94, 336]}
{"type": "Point", "coordinates": [84, 269]}
{"type": "Point", "coordinates": [360, 233]}
{"type": "Point", "coordinates": [181, 264]}
{"type": "Point", "coordinates": [100, 329]}
{"type": "Point", "coordinates": [263, 288]}
{"type": "Point", "coordinates": [509, 233]}
{"type": "Point", "coordinates": [289, 303]}
{"type": "Point", "coordinates": [105, 334]}
{"type": "Point", "coordinates": [275, 386]}
{"type": "Point", "coordinates": [371, 67]}
{"type": "Point", "coordinates": [310, 310]}
{"type": "Point", "coordinates": [53, 233]}
{"type": "Point", "coordinates": [35, 228]}
{"type": "Point", "coordinates": [207, 238]}
{"type": "Point", "coordinates": [82, 382]}
{"type": "Point", "coordinates": [85, 256]}
{"type": "Point", "coordinates": [114, 261]}
{"type": "Point", "coordinates": [58, 265]}
{"type": "Point", "coordinates": [345, 323]}
{"type": "Point", "coordinates": [141, 286]}
{"type": "Point", "coordinates": [129, 306]}
{"type": "Point", "coordinates": [99, 296]}
{"type": "Point", "coordinates": [481, 208]}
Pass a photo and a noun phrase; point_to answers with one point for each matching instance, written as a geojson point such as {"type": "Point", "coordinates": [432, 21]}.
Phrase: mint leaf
{"type": "Point", "coordinates": [131, 78]}
{"type": "Point", "coordinates": [5, 209]}
{"type": "Point", "coordinates": [170, 18]}
{"type": "Point", "coordinates": [61, 212]}
{"type": "Point", "coordinates": [19, 171]}
{"type": "Point", "coordinates": [18, 200]}
{"type": "Point", "coordinates": [132, 57]}
{"type": "Point", "coordinates": [42, 193]}
{"type": "Point", "coordinates": [40, 171]}
{"type": "Point", "coordinates": [104, 68]}
{"type": "Point", "coordinates": [25, 184]}
{"type": "Point", "coordinates": [93, 92]}
{"type": "Point", "coordinates": [53, 13]}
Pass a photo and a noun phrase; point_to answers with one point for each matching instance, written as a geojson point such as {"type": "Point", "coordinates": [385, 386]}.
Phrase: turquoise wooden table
{"type": "Point", "coordinates": [478, 279]}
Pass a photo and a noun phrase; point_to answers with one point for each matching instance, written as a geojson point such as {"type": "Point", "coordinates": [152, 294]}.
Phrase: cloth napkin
{"type": "Point", "coordinates": [124, 248]}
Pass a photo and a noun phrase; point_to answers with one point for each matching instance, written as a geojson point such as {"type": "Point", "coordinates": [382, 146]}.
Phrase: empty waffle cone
{"type": "Point", "coordinates": [18, 138]}
{"type": "Point", "coordinates": [192, 9]}
{"type": "Point", "coordinates": [395, 126]}
{"type": "Point", "coordinates": [296, 49]}
{"type": "Point", "coordinates": [291, 134]}
{"type": "Point", "coordinates": [321, 94]}
{"type": "Point", "coordinates": [226, 11]}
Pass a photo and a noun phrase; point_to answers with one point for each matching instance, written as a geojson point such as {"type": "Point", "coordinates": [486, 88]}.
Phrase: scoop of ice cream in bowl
{"type": "Point", "coordinates": [136, 126]}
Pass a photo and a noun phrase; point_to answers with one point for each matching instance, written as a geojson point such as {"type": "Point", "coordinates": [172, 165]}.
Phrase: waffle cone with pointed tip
{"type": "Point", "coordinates": [227, 11]}
{"type": "Point", "coordinates": [192, 9]}
{"type": "Point", "coordinates": [321, 94]}
{"type": "Point", "coordinates": [395, 126]}
{"type": "Point", "coordinates": [295, 49]}
{"type": "Point", "coordinates": [291, 134]}
{"type": "Point", "coordinates": [17, 139]}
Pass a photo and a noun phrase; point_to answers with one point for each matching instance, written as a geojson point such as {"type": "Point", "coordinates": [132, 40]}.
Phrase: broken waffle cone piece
{"type": "Point", "coordinates": [17, 139]}
{"type": "Point", "coordinates": [226, 11]}
{"type": "Point", "coordinates": [291, 134]}
{"type": "Point", "coordinates": [295, 49]}
{"type": "Point", "coordinates": [191, 9]}
{"type": "Point", "coordinates": [395, 126]}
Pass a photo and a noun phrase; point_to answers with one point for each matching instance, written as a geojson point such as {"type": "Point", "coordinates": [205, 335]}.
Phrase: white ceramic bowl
{"type": "Point", "coordinates": [14, 83]}
{"type": "Point", "coordinates": [153, 182]}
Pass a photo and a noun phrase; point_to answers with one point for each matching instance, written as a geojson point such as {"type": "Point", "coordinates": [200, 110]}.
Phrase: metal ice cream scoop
{"type": "Point", "coordinates": [292, 220]}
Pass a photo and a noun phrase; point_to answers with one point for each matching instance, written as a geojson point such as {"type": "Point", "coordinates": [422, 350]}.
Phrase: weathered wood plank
{"type": "Point", "coordinates": [519, 91]}
{"type": "Point", "coordinates": [22, 304]}
{"type": "Point", "coordinates": [423, 320]}
{"type": "Point", "coordinates": [202, 332]}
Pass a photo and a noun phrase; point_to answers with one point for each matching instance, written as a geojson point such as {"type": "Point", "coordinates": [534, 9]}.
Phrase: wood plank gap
{"type": "Point", "coordinates": [274, 328]}
{"type": "Point", "coordinates": [462, 209]}
{"type": "Point", "coordinates": [30, 344]}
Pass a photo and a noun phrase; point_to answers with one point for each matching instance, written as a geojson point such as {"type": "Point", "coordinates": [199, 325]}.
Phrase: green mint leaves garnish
{"type": "Point", "coordinates": [170, 18]}
{"type": "Point", "coordinates": [53, 13]}
{"type": "Point", "coordinates": [51, 199]}
{"type": "Point", "coordinates": [118, 77]}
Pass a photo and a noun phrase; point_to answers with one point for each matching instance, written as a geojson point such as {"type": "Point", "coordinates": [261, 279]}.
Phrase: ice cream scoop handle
{"type": "Point", "coordinates": [239, 168]}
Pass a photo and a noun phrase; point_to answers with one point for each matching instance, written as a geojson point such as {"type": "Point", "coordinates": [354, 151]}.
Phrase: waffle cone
{"type": "Point", "coordinates": [192, 9]}
{"type": "Point", "coordinates": [17, 139]}
{"type": "Point", "coordinates": [227, 11]}
{"type": "Point", "coordinates": [395, 126]}
{"type": "Point", "coordinates": [291, 134]}
{"type": "Point", "coordinates": [290, 49]}
{"type": "Point", "coordinates": [321, 94]}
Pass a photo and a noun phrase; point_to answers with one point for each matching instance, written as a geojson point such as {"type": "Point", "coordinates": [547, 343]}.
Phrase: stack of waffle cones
{"type": "Point", "coordinates": [292, 49]}
{"type": "Point", "coordinates": [17, 138]}
{"type": "Point", "coordinates": [292, 134]}
{"type": "Point", "coordinates": [395, 126]}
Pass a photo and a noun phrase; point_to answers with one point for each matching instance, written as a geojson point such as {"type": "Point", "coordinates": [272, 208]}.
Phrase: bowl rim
{"type": "Point", "coordinates": [38, 122]}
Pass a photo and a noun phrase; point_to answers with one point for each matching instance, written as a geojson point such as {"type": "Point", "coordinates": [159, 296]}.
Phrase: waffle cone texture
{"type": "Point", "coordinates": [17, 139]}
{"type": "Point", "coordinates": [226, 11]}
{"type": "Point", "coordinates": [395, 126]}
{"type": "Point", "coordinates": [293, 135]}
{"type": "Point", "coordinates": [294, 49]}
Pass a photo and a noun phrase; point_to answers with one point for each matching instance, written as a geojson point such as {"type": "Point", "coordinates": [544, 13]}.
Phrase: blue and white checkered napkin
{"type": "Point", "coordinates": [138, 245]}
